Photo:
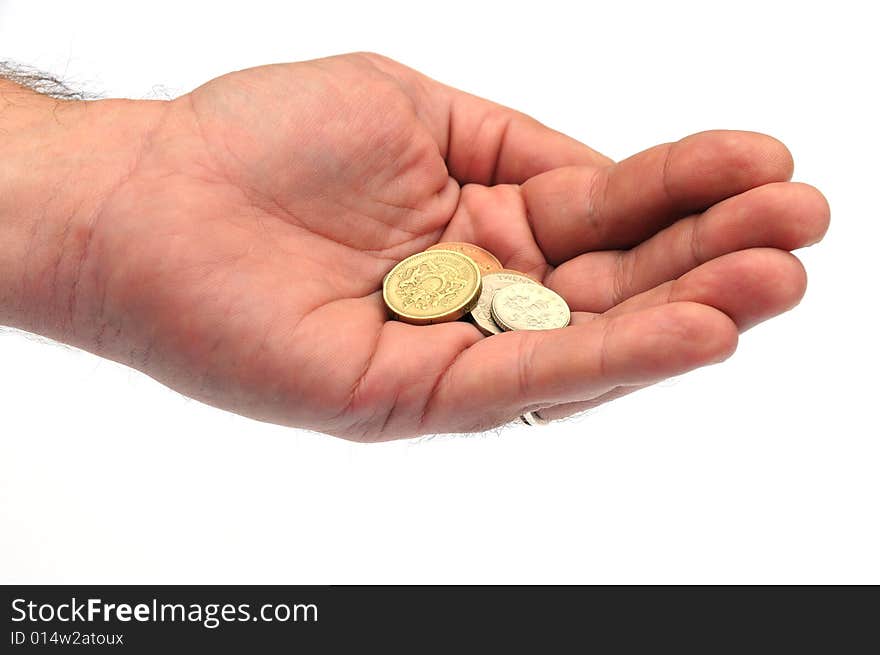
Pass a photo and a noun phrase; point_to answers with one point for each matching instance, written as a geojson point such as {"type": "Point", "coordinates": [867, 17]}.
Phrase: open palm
{"type": "Point", "coordinates": [241, 260]}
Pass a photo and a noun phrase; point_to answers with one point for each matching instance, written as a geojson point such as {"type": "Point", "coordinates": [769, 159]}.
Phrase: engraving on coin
{"type": "Point", "coordinates": [514, 272]}
{"type": "Point", "coordinates": [432, 287]}
{"type": "Point", "coordinates": [492, 282]}
{"type": "Point", "coordinates": [529, 307]}
{"type": "Point", "coordinates": [486, 261]}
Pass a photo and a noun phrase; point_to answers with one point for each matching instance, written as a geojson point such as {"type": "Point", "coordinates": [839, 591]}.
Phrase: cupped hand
{"type": "Point", "coordinates": [241, 257]}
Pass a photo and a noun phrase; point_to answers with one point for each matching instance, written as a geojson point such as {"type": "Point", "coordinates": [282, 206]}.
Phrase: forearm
{"type": "Point", "coordinates": [61, 160]}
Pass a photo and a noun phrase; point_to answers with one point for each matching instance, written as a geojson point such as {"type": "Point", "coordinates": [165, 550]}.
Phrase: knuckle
{"type": "Point", "coordinates": [526, 349]}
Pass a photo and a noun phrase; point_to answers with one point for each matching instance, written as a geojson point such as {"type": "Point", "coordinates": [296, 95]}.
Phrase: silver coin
{"type": "Point", "coordinates": [529, 307]}
{"type": "Point", "coordinates": [492, 283]}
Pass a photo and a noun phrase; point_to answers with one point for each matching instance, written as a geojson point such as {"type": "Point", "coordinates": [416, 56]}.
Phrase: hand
{"type": "Point", "coordinates": [234, 241]}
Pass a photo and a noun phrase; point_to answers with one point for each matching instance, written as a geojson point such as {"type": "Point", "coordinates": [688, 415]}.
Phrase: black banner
{"type": "Point", "coordinates": [413, 619]}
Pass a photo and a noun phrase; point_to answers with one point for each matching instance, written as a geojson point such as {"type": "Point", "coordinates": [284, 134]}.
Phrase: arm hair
{"type": "Point", "coordinates": [39, 81]}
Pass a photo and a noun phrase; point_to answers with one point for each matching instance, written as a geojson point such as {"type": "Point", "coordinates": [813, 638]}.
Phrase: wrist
{"type": "Point", "coordinates": [61, 161]}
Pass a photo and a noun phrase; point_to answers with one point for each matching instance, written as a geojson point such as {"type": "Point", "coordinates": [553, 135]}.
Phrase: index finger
{"type": "Point", "coordinates": [482, 141]}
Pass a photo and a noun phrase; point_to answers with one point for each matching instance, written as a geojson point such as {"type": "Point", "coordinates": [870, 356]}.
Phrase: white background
{"type": "Point", "coordinates": [763, 469]}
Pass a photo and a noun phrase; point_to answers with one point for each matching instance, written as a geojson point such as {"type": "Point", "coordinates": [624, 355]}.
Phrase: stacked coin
{"type": "Point", "coordinates": [449, 281]}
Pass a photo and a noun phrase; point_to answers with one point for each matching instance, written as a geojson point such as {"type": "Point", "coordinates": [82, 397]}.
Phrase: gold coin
{"type": "Point", "coordinates": [529, 307]}
{"type": "Point", "coordinates": [487, 262]}
{"type": "Point", "coordinates": [492, 283]}
{"type": "Point", "coordinates": [433, 286]}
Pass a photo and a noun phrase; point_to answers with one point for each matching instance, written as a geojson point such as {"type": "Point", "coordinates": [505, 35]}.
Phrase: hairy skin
{"type": "Point", "coordinates": [231, 243]}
